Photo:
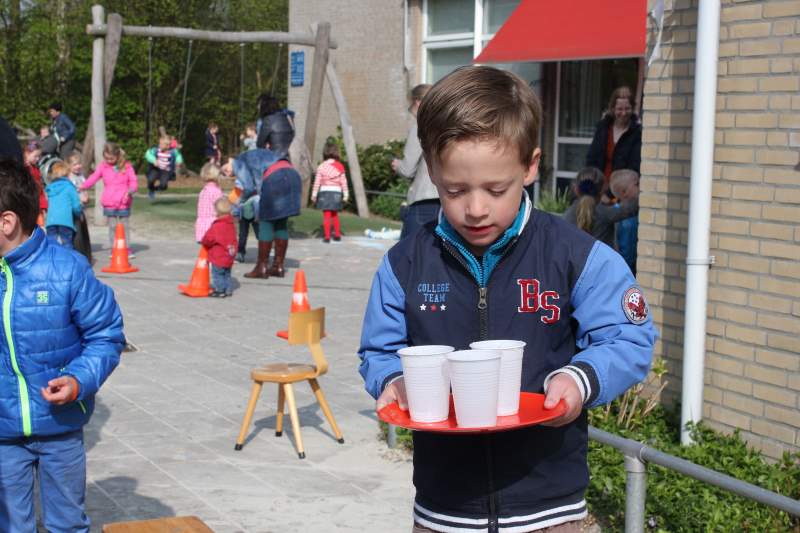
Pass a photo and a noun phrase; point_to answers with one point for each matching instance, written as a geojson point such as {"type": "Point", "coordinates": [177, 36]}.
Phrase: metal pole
{"type": "Point", "coordinates": [697, 254]}
{"type": "Point", "coordinates": [635, 494]}
{"type": "Point", "coordinates": [392, 436]}
{"type": "Point", "coordinates": [701, 473]}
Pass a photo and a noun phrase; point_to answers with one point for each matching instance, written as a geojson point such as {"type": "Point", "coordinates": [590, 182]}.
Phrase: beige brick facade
{"type": "Point", "coordinates": [369, 63]}
{"type": "Point", "coordinates": [753, 343]}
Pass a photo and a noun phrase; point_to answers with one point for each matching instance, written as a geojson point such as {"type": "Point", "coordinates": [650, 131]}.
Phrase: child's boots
{"type": "Point", "coordinates": [280, 254]}
{"type": "Point", "coordinates": [261, 270]}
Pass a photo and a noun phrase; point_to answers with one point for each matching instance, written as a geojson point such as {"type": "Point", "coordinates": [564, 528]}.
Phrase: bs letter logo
{"type": "Point", "coordinates": [532, 300]}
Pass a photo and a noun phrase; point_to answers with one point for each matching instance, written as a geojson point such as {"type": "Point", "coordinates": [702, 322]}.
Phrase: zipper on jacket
{"type": "Point", "coordinates": [24, 401]}
{"type": "Point", "coordinates": [483, 312]}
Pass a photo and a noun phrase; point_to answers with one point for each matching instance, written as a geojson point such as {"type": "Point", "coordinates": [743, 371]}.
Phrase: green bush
{"type": "Point", "coordinates": [389, 206]}
{"type": "Point", "coordinates": [554, 203]}
{"type": "Point", "coordinates": [678, 503]}
{"type": "Point", "coordinates": [377, 174]}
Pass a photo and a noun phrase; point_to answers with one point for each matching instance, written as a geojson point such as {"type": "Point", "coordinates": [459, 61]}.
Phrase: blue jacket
{"type": "Point", "coordinates": [64, 128]}
{"type": "Point", "coordinates": [64, 203]}
{"type": "Point", "coordinates": [250, 166]}
{"type": "Point", "coordinates": [57, 319]}
{"type": "Point", "coordinates": [570, 298]}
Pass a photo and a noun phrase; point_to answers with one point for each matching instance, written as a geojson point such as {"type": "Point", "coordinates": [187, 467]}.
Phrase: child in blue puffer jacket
{"type": "Point", "coordinates": [65, 205]}
{"type": "Point", "coordinates": [61, 338]}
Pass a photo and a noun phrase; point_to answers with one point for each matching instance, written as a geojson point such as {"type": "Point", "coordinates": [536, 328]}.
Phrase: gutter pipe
{"type": "Point", "coordinates": [698, 260]}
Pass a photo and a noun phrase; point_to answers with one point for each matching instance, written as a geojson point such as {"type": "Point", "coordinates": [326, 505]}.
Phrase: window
{"type": "Point", "coordinates": [496, 12]}
{"type": "Point", "coordinates": [455, 32]}
{"type": "Point", "coordinates": [583, 91]}
{"type": "Point", "coordinates": [442, 61]}
{"type": "Point", "coordinates": [450, 16]}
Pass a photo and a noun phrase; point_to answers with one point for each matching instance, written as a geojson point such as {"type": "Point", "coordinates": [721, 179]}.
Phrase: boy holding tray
{"type": "Point", "coordinates": [495, 268]}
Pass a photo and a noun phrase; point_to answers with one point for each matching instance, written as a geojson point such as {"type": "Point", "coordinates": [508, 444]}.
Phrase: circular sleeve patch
{"type": "Point", "coordinates": [634, 305]}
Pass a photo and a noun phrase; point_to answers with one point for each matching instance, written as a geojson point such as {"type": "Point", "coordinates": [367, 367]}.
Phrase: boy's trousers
{"type": "Point", "coordinates": [59, 462]}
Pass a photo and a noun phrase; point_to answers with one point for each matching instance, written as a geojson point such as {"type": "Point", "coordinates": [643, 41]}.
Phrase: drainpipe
{"type": "Point", "coordinates": [698, 260]}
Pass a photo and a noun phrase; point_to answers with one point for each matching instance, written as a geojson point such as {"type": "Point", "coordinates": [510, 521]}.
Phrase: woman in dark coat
{"type": "Point", "coordinates": [617, 142]}
{"type": "Point", "coordinates": [276, 130]}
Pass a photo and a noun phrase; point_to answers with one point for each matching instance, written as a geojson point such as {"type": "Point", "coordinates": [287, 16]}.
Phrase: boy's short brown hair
{"type": "Point", "coordinates": [479, 103]}
{"type": "Point", "coordinates": [19, 194]}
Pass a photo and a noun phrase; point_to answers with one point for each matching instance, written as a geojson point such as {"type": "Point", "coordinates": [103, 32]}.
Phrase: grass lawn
{"type": "Point", "coordinates": [307, 224]}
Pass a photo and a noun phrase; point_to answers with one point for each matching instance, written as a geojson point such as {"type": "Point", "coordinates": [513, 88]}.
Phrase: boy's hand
{"type": "Point", "coordinates": [395, 164]}
{"type": "Point", "coordinates": [563, 387]}
{"type": "Point", "coordinates": [395, 391]}
{"type": "Point", "coordinates": [62, 390]}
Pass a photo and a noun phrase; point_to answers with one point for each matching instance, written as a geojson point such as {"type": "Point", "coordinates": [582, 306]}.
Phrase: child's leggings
{"type": "Point", "coordinates": [269, 230]}
{"type": "Point", "coordinates": [327, 216]}
{"type": "Point", "coordinates": [112, 228]}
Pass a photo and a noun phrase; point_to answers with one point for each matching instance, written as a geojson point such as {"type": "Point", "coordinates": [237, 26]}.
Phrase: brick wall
{"type": "Point", "coordinates": [753, 341]}
{"type": "Point", "coordinates": [369, 63]}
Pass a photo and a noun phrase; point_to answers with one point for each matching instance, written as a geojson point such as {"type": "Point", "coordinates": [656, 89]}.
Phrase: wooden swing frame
{"type": "Point", "coordinates": [105, 49]}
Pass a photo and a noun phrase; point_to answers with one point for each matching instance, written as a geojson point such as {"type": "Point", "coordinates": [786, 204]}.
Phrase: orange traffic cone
{"type": "Point", "coordinates": [299, 298]}
{"type": "Point", "coordinates": [199, 283]}
{"type": "Point", "coordinates": [119, 254]}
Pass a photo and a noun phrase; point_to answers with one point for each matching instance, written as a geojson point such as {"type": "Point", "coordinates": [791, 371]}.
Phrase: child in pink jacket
{"type": "Point", "coordinates": [119, 185]}
{"type": "Point", "coordinates": [206, 214]}
{"type": "Point", "coordinates": [330, 191]}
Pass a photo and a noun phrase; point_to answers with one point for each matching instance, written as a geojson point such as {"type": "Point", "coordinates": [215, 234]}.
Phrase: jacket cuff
{"type": "Point", "coordinates": [388, 380]}
{"type": "Point", "coordinates": [584, 376]}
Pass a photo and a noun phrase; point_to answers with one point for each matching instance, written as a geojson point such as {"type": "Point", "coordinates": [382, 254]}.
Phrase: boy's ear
{"type": "Point", "coordinates": [533, 170]}
{"type": "Point", "coordinates": [9, 224]}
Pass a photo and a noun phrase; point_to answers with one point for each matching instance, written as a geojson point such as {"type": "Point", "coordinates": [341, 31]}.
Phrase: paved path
{"type": "Point", "coordinates": [161, 439]}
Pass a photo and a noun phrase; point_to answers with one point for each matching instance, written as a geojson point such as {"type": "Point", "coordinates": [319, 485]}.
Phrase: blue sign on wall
{"type": "Point", "coordinates": [298, 68]}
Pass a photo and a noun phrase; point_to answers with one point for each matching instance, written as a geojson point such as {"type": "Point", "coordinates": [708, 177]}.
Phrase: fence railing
{"type": "Point", "coordinates": [637, 455]}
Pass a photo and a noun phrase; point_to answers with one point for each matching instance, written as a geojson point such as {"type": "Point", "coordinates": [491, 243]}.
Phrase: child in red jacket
{"type": "Point", "coordinates": [220, 241]}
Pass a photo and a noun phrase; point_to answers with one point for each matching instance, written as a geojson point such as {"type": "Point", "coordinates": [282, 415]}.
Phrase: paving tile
{"type": "Point", "coordinates": [161, 441]}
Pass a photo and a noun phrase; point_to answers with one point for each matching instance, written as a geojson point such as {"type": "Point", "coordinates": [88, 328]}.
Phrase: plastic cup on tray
{"type": "Point", "coordinates": [474, 376]}
{"type": "Point", "coordinates": [427, 381]}
{"type": "Point", "coordinates": [510, 372]}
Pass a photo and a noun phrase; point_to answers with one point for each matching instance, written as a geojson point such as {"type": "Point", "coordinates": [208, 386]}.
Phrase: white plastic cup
{"type": "Point", "coordinates": [474, 376]}
{"type": "Point", "coordinates": [510, 372]}
{"type": "Point", "coordinates": [427, 382]}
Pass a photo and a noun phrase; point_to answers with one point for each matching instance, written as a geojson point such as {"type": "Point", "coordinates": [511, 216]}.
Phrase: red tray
{"type": "Point", "coordinates": [531, 412]}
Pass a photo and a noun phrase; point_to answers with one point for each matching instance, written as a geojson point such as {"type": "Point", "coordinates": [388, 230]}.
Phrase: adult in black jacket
{"type": "Point", "coordinates": [277, 127]}
{"type": "Point", "coordinates": [621, 126]}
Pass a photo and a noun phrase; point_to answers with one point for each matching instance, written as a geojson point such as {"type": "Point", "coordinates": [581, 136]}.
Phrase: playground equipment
{"type": "Point", "coordinates": [107, 37]}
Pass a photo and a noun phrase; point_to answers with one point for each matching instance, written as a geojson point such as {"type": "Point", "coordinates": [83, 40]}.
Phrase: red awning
{"type": "Point", "coordinates": [566, 30]}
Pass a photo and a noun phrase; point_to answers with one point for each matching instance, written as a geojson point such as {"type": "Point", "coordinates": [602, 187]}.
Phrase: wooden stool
{"type": "Point", "coordinates": [306, 327]}
{"type": "Point", "coordinates": [176, 524]}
